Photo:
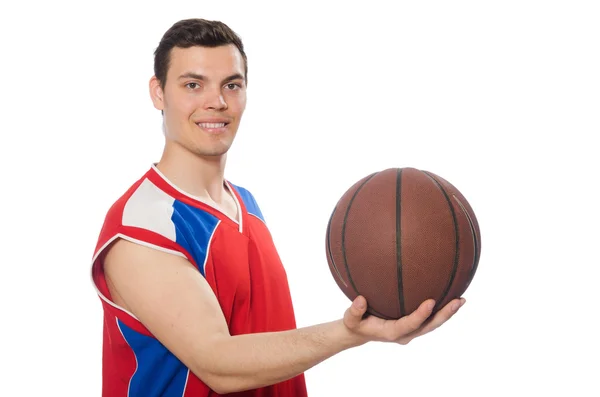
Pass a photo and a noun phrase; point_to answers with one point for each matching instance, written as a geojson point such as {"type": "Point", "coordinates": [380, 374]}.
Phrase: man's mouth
{"type": "Point", "coordinates": [211, 125]}
{"type": "Point", "coordinates": [215, 128]}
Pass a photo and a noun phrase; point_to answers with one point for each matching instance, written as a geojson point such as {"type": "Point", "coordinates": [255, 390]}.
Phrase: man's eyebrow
{"type": "Point", "coordinates": [191, 75]}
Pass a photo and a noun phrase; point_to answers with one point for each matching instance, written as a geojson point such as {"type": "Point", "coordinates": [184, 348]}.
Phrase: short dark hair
{"type": "Point", "coordinates": [194, 32]}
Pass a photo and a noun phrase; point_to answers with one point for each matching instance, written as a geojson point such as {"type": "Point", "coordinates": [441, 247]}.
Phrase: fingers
{"type": "Point", "coordinates": [414, 321]}
{"type": "Point", "coordinates": [442, 316]}
{"type": "Point", "coordinates": [403, 330]}
{"type": "Point", "coordinates": [354, 314]}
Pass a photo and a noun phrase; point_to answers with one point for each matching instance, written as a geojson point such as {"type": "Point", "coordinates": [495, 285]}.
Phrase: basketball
{"type": "Point", "coordinates": [401, 236]}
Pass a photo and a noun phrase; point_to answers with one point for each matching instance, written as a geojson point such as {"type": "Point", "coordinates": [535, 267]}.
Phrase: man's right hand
{"type": "Point", "coordinates": [402, 330]}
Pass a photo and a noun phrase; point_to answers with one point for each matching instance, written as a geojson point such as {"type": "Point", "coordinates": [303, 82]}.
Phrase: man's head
{"type": "Point", "coordinates": [199, 84]}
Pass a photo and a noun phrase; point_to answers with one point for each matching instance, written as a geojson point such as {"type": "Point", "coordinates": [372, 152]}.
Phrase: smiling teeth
{"type": "Point", "coordinates": [211, 125]}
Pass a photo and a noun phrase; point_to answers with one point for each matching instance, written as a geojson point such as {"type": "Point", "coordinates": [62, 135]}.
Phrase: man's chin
{"type": "Point", "coordinates": [213, 154]}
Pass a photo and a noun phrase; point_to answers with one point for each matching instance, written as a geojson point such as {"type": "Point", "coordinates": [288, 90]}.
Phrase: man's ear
{"type": "Point", "coordinates": [156, 93]}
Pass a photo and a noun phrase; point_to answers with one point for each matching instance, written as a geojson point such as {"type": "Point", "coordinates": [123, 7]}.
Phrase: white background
{"type": "Point", "coordinates": [500, 98]}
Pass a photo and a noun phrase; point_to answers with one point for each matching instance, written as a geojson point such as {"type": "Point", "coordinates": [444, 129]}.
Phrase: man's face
{"type": "Point", "coordinates": [203, 99]}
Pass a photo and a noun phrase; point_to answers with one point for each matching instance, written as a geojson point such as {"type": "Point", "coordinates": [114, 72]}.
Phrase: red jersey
{"type": "Point", "coordinates": [238, 259]}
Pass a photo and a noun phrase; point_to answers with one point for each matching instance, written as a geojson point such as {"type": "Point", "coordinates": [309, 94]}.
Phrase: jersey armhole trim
{"type": "Point", "coordinates": [133, 240]}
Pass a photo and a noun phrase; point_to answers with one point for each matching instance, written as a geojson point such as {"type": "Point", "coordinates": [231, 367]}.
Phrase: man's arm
{"type": "Point", "coordinates": [172, 299]}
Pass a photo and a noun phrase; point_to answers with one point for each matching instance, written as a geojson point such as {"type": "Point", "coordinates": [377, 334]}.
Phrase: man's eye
{"type": "Point", "coordinates": [192, 85]}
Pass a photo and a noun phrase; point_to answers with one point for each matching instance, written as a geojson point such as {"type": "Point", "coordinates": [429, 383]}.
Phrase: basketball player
{"type": "Point", "coordinates": [195, 297]}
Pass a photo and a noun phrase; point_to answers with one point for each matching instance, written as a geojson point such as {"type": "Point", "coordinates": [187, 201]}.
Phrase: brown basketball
{"type": "Point", "coordinates": [401, 236]}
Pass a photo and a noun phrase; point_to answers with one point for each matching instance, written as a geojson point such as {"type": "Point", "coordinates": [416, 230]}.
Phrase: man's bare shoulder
{"type": "Point", "coordinates": [131, 264]}
{"type": "Point", "coordinates": [127, 265]}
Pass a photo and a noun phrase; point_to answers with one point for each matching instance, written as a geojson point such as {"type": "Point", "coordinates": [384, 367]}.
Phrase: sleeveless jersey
{"type": "Point", "coordinates": [238, 259]}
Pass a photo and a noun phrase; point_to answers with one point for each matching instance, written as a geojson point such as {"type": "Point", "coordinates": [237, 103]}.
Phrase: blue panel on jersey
{"type": "Point", "coordinates": [249, 202]}
{"type": "Point", "coordinates": [159, 372]}
{"type": "Point", "coordinates": [194, 229]}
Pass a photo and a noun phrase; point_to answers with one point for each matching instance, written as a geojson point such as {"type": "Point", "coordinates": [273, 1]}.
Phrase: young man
{"type": "Point", "coordinates": [195, 297]}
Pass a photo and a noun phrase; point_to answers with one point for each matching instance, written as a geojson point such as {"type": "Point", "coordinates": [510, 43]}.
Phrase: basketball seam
{"type": "Point", "coordinates": [344, 231]}
{"type": "Point", "coordinates": [334, 265]}
{"type": "Point", "coordinates": [475, 240]}
{"type": "Point", "coordinates": [401, 302]}
{"type": "Point", "coordinates": [456, 240]}
{"type": "Point", "coordinates": [344, 242]}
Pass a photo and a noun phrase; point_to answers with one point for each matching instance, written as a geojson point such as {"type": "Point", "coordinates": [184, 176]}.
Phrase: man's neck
{"type": "Point", "coordinates": [202, 177]}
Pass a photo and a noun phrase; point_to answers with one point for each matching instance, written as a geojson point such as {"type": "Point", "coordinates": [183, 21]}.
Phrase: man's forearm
{"type": "Point", "coordinates": [251, 361]}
